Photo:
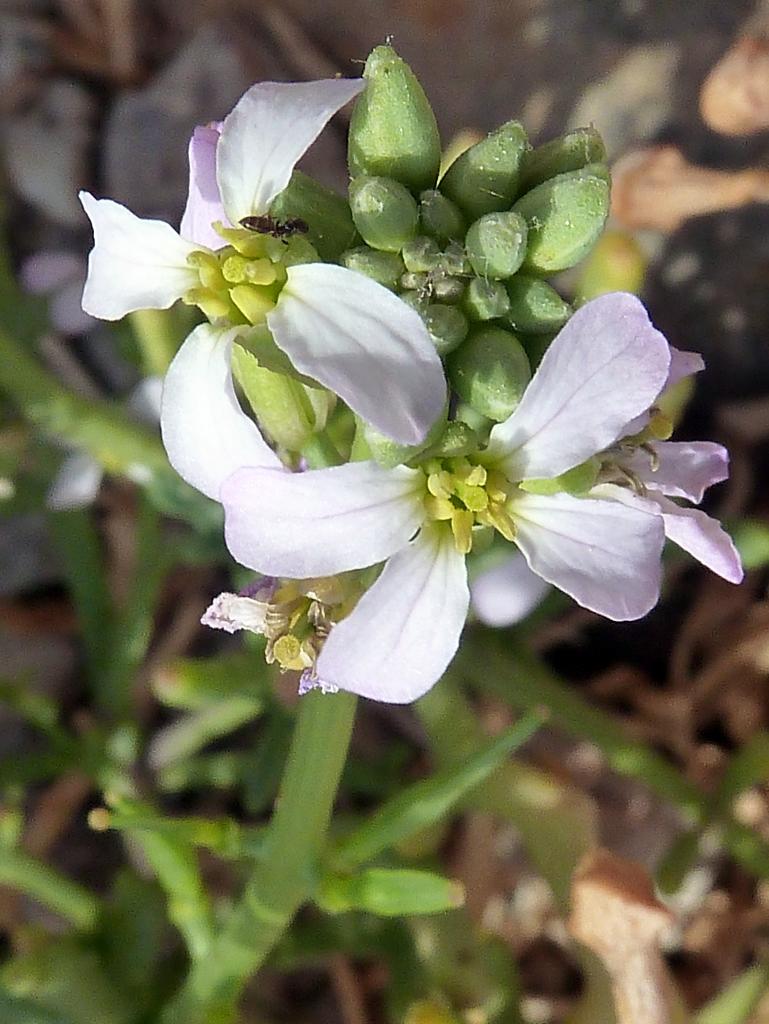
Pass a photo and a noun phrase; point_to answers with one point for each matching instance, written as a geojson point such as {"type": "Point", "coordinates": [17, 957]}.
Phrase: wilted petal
{"type": "Point", "coordinates": [507, 592]}
{"type": "Point", "coordinates": [323, 521]}
{"type": "Point", "coordinates": [206, 433]}
{"type": "Point", "coordinates": [365, 344]}
{"type": "Point", "coordinates": [603, 554]}
{"type": "Point", "coordinates": [204, 203]}
{"type": "Point", "coordinates": [233, 612]}
{"type": "Point", "coordinates": [606, 366]}
{"type": "Point", "coordinates": [683, 469]}
{"type": "Point", "coordinates": [76, 484]}
{"type": "Point", "coordinates": [134, 263]}
{"type": "Point", "coordinates": [269, 129]}
{"type": "Point", "coordinates": [405, 630]}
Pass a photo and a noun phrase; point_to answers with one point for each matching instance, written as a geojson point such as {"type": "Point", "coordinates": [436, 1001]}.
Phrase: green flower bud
{"type": "Point", "coordinates": [565, 216]}
{"type": "Point", "coordinates": [415, 282]}
{"type": "Point", "coordinates": [457, 439]}
{"type": "Point", "coordinates": [485, 300]}
{"type": "Point", "coordinates": [455, 260]}
{"type": "Point", "coordinates": [535, 307]}
{"type": "Point", "coordinates": [383, 267]}
{"type": "Point", "coordinates": [617, 264]}
{"type": "Point", "coordinates": [569, 152]}
{"type": "Point", "coordinates": [448, 289]}
{"type": "Point", "coordinates": [485, 177]}
{"type": "Point", "coordinates": [421, 254]}
{"type": "Point", "coordinates": [326, 214]}
{"type": "Point", "coordinates": [536, 345]}
{"type": "Point", "coordinates": [447, 326]}
{"type": "Point", "coordinates": [490, 372]}
{"type": "Point", "coordinates": [479, 424]}
{"type": "Point", "coordinates": [390, 892]}
{"type": "Point", "coordinates": [496, 244]}
{"type": "Point", "coordinates": [369, 443]}
{"type": "Point", "coordinates": [415, 298]}
{"type": "Point", "coordinates": [439, 217]}
{"type": "Point", "coordinates": [393, 131]}
{"type": "Point", "coordinates": [384, 211]}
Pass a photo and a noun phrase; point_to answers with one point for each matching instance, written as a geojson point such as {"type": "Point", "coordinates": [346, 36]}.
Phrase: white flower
{"type": "Point", "coordinates": [605, 369]}
{"type": "Point", "coordinates": [344, 330]}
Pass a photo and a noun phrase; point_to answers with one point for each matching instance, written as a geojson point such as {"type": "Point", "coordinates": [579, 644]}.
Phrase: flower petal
{"type": "Point", "coordinates": [603, 554]}
{"type": "Point", "coordinates": [507, 592]}
{"type": "Point", "coordinates": [605, 367]}
{"type": "Point", "coordinates": [206, 433]}
{"type": "Point", "coordinates": [682, 364]}
{"type": "Point", "coordinates": [134, 263]}
{"type": "Point", "coordinates": [405, 630]}
{"type": "Point", "coordinates": [204, 203]}
{"type": "Point", "coordinates": [323, 521]}
{"type": "Point", "coordinates": [703, 537]}
{"type": "Point", "coordinates": [365, 344]}
{"type": "Point", "coordinates": [683, 469]}
{"type": "Point", "coordinates": [269, 129]}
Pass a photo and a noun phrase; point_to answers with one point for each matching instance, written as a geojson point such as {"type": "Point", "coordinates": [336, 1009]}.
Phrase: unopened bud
{"type": "Point", "coordinates": [485, 177]}
{"type": "Point", "coordinates": [383, 267]}
{"type": "Point", "coordinates": [369, 443]}
{"type": "Point", "coordinates": [447, 326]}
{"type": "Point", "coordinates": [479, 424]}
{"type": "Point", "coordinates": [485, 300]}
{"type": "Point", "coordinates": [325, 212]}
{"type": "Point", "coordinates": [565, 216]}
{"type": "Point", "coordinates": [412, 281]}
{"type": "Point", "coordinates": [570, 152]}
{"type": "Point", "coordinates": [421, 254]}
{"type": "Point", "coordinates": [455, 260]}
{"type": "Point", "coordinates": [384, 211]}
{"type": "Point", "coordinates": [416, 298]}
{"type": "Point", "coordinates": [393, 131]}
{"type": "Point", "coordinates": [535, 307]}
{"type": "Point", "coordinates": [439, 217]}
{"type": "Point", "coordinates": [536, 345]}
{"type": "Point", "coordinates": [457, 439]}
{"type": "Point", "coordinates": [496, 244]}
{"type": "Point", "coordinates": [490, 372]}
{"type": "Point", "coordinates": [448, 289]}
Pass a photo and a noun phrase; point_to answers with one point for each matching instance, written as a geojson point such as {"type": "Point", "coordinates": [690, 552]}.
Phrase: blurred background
{"type": "Point", "coordinates": [658, 743]}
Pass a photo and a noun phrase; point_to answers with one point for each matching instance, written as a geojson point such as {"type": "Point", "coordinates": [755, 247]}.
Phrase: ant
{"type": "Point", "coordinates": [267, 225]}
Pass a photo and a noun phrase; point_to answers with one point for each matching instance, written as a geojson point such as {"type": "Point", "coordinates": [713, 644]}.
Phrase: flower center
{"type": "Point", "coordinates": [468, 496]}
{"type": "Point", "coordinates": [242, 281]}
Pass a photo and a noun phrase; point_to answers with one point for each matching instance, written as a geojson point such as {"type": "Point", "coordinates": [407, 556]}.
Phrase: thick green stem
{"type": "Point", "coordinates": [286, 875]}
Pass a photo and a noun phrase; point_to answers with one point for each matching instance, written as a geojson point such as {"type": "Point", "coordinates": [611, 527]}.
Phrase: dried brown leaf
{"type": "Point", "coordinates": [735, 96]}
{"type": "Point", "coordinates": [657, 188]}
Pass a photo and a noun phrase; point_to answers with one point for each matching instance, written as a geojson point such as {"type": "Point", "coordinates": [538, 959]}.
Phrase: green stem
{"type": "Point", "coordinates": [35, 879]}
{"type": "Point", "coordinates": [320, 451]}
{"type": "Point", "coordinates": [287, 874]}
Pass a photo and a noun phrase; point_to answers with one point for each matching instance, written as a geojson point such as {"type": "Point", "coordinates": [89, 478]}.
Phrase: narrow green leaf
{"type": "Point", "coordinates": [30, 876]}
{"type": "Point", "coordinates": [390, 892]}
{"type": "Point", "coordinates": [426, 802]}
{"type": "Point", "coordinates": [737, 1002]}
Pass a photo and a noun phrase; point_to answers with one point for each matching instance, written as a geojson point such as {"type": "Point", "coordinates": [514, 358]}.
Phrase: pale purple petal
{"type": "Point", "coordinates": [206, 433]}
{"type": "Point", "coordinates": [323, 521]}
{"type": "Point", "coordinates": [683, 364]}
{"type": "Point", "coordinates": [269, 129]}
{"type": "Point", "coordinates": [683, 469]}
{"type": "Point", "coordinates": [405, 630]}
{"type": "Point", "coordinates": [506, 593]}
{"type": "Point", "coordinates": [603, 554]}
{"type": "Point", "coordinates": [204, 203]}
{"type": "Point", "coordinates": [134, 264]}
{"type": "Point", "coordinates": [76, 484]}
{"type": "Point", "coordinates": [703, 537]}
{"type": "Point", "coordinates": [365, 344]}
{"type": "Point", "coordinates": [606, 366]}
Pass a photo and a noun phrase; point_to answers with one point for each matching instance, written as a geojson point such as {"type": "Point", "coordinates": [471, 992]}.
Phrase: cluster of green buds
{"type": "Point", "coordinates": [471, 249]}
